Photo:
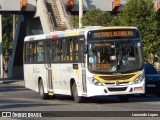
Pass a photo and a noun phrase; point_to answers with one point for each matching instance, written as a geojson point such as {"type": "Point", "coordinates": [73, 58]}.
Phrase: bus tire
{"type": "Point", "coordinates": [77, 99]}
{"type": "Point", "coordinates": [124, 98]}
{"type": "Point", "coordinates": [41, 91]}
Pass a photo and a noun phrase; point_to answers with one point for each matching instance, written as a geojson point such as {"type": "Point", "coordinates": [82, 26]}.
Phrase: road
{"type": "Point", "coordinates": [15, 97]}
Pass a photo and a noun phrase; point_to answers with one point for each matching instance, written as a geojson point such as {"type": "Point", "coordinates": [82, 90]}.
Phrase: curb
{"type": "Point", "coordinates": [7, 81]}
{"type": "Point", "coordinates": [15, 82]}
{"type": "Point", "coordinates": [21, 83]}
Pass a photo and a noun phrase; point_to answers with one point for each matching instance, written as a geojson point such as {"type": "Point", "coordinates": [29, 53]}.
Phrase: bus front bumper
{"type": "Point", "coordinates": [93, 90]}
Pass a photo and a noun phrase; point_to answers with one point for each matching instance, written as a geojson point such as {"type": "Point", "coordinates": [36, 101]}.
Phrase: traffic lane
{"type": "Point", "coordinates": [18, 98]}
{"type": "Point", "coordinates": [9, 90]}
{"type": "Point", "coordinates": [13, 97]}
{"type": "Point", "coordinates": [12, 90]}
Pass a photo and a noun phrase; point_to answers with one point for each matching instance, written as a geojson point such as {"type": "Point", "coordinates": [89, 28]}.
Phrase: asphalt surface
{"type": "Point", "coordinates": [26, 101]}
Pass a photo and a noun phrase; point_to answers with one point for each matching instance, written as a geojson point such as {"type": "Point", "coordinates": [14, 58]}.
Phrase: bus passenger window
{"type": "Point", "coordinates": [26, 52]}
{"type": "Point", "coordinates": [32, 52]}
{"type": "Point", "coordinates": [40, 52]}
{"type": "Point", "coordinates": [74, 49]}
{"type": "Point", "coordinates": [70, 49]}
{"type": "Point", "coordinates": [56, 51]}
{"type": "Point", "coordinates": [65, 51]}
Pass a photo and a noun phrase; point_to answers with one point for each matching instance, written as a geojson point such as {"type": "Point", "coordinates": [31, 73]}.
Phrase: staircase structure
{"type": "Point", "coordinates": [53, 15]}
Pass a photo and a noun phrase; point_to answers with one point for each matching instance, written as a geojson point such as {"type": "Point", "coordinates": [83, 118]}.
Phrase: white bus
{"type": "Point", "coordinates": [92, 61]}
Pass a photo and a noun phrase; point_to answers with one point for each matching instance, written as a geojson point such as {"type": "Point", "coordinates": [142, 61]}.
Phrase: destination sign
{"type": "Point", "coordinates": [101, 66]}
{"type": "Point", "coordinates": [102, 44]}
{"type": "Point", "coordinates": [113, 34]}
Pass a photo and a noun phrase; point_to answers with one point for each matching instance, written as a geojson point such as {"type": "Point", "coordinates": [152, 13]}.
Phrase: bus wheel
{"type": "Point", "coordinates": [41, 91]}
{"type": "Point", "coordinates": [124, 98]}
{"type": "Point", "coordinates": [77, 99]}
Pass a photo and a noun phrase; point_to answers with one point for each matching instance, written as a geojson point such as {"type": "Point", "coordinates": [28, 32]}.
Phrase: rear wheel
{"type": "Point", "coordinates": [41, 91]}
{"type": "Point", "coordinates": [124, 98]}
{"type": "Point", "coordinates": [77, 99]}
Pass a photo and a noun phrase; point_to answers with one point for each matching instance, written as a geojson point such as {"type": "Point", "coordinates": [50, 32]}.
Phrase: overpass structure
{"type": "Point", "coordinates": [44, 16]}
{"type": "Point", "coordinates": [34, 17]}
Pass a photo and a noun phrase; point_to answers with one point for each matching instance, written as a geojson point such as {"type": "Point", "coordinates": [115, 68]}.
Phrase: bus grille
{"type": "Point", "coordinates": [117, 89]}
{"type": "Point", "coordinates": [112, 83]}
{"type": "Point", "coordinates": [117, 77]}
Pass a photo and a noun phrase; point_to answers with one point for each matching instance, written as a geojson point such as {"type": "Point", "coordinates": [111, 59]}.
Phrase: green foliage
{"type": "Point", "coordinates": [141, 13]}
{"type": "Point", "coordinates": [75, 21]}
{"type": "Point", "coordinates": [6, 35]}
{"type": "Point", "coordinates": [96, 17]}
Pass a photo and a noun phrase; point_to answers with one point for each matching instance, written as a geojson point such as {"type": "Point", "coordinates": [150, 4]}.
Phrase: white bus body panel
{"type": "Point", "coordinates": [33, 72]}
{"type": "Point", "coordinates": [61, 76]}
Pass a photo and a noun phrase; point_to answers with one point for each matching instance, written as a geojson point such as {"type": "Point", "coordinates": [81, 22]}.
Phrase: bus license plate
{"type": "Point", "coordinates": [138, 88]}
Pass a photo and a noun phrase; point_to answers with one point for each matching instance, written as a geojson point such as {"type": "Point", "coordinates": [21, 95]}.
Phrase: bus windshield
{"type": "Point", "coordinates": [115, 56]}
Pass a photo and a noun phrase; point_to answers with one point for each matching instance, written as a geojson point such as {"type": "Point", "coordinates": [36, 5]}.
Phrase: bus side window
{"type": "Point", "coordinates": [40, 52]}
{"type": "Point", "coordinates": [65, 52]}
{"type": "Point", "coordinates": [56, 50]}
{"type": "Point", "coordinates": [26, 53]}
{"type": "Point", "coordinates": [70, 49]}
{"type": "Point", "coordinates": [31, 52]}
{"type": "Point", "coordinates": [74, 49]}
{"type": "Point", "coordinates": [34, 52]}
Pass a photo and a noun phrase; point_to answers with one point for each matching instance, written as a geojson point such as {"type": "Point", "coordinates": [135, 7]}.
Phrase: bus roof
{"type": "Point", "coordinates": [72, 32]}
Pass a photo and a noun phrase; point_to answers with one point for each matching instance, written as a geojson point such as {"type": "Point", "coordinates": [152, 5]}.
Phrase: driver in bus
{"type": "Point", "coordinates": [92, 56]}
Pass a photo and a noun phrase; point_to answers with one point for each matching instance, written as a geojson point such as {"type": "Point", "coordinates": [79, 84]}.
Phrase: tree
{"type": "Point", "coordinates": [141, 13]}
{"type": "Point", "coordinates": [6, 35]}
{"type": "Point", "coordinates": [96, 17]}
{"type": "Point", "coordinates": [75, 21]}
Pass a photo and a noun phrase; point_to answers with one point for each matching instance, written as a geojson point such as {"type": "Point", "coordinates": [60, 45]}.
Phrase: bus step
{"type": "Point", "coordinates": [85, 94]}
{"type": "Point", "coordinates": [50, 92]}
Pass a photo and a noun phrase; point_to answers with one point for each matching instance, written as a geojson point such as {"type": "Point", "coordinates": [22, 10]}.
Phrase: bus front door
{"type": "Point", "coordinates": [48, 56]}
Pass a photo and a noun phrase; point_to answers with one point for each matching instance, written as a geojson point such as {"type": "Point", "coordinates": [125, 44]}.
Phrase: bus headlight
{"type": "Point", "coordinates": [94, 81]}
{"type": "Point", "coordinates": [139, 79]}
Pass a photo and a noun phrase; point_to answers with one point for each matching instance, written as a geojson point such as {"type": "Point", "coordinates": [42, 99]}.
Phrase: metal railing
{"type": "Point", "coordinates": [66, 14]}
{"type": "Point", "coordinates": [49, 15]}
